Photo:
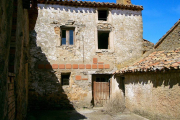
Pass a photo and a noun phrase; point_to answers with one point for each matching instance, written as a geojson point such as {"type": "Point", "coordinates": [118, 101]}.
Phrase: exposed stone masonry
{"type": "Point", "coordinates": [50, 60]}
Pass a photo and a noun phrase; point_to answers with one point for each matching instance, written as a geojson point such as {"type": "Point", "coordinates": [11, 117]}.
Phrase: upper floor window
{"type": "Point", "coordinates": [67, 36]}
{"type": "Point", "coordinates": [103, 39]}
{"type": "Point", "coordinates": [102, 15]}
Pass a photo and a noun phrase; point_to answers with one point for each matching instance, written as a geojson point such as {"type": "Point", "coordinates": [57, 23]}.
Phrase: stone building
{"type": "Point", "coordinates": [76, 47]}
{"type": "Point", "coordinates": [152, 85]}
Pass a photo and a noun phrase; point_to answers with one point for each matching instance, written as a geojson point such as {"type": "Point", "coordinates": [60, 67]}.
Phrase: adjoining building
{"type": "Point", "coordinates": [152, 85]}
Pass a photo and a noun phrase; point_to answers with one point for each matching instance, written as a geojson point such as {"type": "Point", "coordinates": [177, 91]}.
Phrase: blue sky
{"type": "Point", "coordinates": [158, 16]}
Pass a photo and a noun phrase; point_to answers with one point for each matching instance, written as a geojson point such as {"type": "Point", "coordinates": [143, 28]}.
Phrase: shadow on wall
{"type": "Point", "coordinates": [45, 89]}
{"type": "Point", "coordinates": [159, 78]}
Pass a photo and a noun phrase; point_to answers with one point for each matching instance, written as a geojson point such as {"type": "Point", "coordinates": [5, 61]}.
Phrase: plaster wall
{"type": "Point", "coordinates": [49, 59]}
{"type": "Point", "coordinates": [153, 95]}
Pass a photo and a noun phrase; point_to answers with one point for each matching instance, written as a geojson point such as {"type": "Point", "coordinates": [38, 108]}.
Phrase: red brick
{"type": "Point", "coordinates": [9, 80]}
{"type": "Point", "coordinates": [78, 77]}
{"type": "Point", "coordinates": [88, 66]}
{"type": "Point", "coordinates": [75, 66]}
{"type": "Point", "coordinates": [48, 66]}
{"type": "Point", "coordinates": [10, 86]}
{"type": "Point", "coordinates": [61, 66]}
{"type": "Point", "coordinates": [100, 66]}
{"type": "Point", "coordinates": [106, 66]}
{"type": "Point", "coordinates": [11, 99]}
{"type": "Point", "coordinates": [41, 66]}
{"type": "Point", "coordinates": [55, 66]}
{"type": "Point", "coordinates": [81, 66]}
{"type": "Point", "coordinates": [95, 60]}
{"type": "Point", "coordinates": [68, 66]}
{"type": "Point", "coordinates": [12, 80]}
{"type": "Point", "coordinates": [94, 66]}
{"type": "Point", "coordinates": [84, 78]}
{"type": "Point", "coordinates": [10, 93]}
{"type": "Point", "coordinates": [100, 62]}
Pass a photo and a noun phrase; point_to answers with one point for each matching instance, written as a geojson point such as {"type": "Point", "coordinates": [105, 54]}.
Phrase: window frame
{"type": "Point", "coordinates": [67, 29]}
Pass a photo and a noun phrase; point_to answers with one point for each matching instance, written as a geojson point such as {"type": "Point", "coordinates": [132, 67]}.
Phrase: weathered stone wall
{"type": "Point", "coordinates": [154, 94]}
{"type": "Point", "coordinates": [171, 41]}
{"type": "Point", "coordinates": [21, 61]}
{"type": "Point", "coordinates": [14, 32]}
{"type": "Point", "coordinates": [6, 11]}
{"type": "Point", "coordinates": [49, 59]}
{"type": "Point", "coordinates": [117, 87]}
{"type": "Point", "coordinates": [148, 46]}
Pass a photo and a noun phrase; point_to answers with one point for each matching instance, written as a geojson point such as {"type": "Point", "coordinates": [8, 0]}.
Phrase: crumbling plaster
{"type": "Point", "coordinates": [153, 94]}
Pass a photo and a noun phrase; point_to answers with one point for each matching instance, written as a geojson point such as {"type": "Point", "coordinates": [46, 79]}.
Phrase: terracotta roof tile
{"type": "Point", "coordinates": [91, 4]}
{"type": "Point", "coordinates": [159, 60]}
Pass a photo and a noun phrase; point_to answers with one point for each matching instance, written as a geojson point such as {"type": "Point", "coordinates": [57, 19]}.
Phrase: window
{"type": "Point", "coordinates": [103, 39]}
{"type": "Point", "coordinates": [102, 15]}
{"type": "Point", "coordinates": [65, 78]}
{"type": "Point", "coordinates": [67, 36]}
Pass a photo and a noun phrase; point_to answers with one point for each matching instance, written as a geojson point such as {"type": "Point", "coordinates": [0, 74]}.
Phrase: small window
{"type": "Point", "coordinates": [102, 15]}
{"type": "Point", "coordinates": [103, 40]}
{"type": "Point", "coordinates": [65, 78]}
{"type": "Point", "coordinates": [67, 36]}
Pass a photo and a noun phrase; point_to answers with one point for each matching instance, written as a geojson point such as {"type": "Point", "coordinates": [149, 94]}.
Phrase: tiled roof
{"type": "Point", "coordinates": [90, 4]}
{"type": "Point", "coordinates": [162, 39]}
{"type": "Point", "coordinates": [156, 61]}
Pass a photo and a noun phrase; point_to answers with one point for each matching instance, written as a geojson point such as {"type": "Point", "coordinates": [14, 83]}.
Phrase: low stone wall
{"type": "Point", "coordinates": [154, 94]}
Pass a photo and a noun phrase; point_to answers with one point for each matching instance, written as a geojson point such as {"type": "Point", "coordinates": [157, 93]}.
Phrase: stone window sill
{"type": "Point", "coordinates": [104, 50]}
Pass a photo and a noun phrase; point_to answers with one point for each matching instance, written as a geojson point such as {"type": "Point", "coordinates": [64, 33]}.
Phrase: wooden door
{"type": "Point", "coordinates": [101, 90]}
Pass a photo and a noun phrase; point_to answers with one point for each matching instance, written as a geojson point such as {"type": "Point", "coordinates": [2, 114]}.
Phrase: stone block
{"type": "Point", "coordinates": [88, 66]}
{"type": "Point", "coordinates": [100, 62]}
{"type": "Point", "coordinates": [55, 66]}
{"type": "Point", "coordinates": [68, 66]}
{"type": "Point", "coordinates": [106, 66]}
{"type": "Point", "coordinates": [41, 66]}
{"type": "Point", "coordinates": [81, 66]}
{"type": "Point", "coordinates": [78, 77]}
{"type": "Point", "coordinates": [75, 66]}
{"type": "Point", "coordinates": [95, 60]}
{"type": "Point", "coordinates": [84, 78]}
{"type": "Point", "coordinates": [100, 66]}
{"type": "Point", "coordinates": [48, 66]}
{"type": "Point", "coordinates": [94, 66]}
{"type": "Point", "coordinates": [61, 66]}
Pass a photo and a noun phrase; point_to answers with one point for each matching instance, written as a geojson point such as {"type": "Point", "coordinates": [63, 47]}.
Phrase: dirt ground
{"type": "Point", "coordinates": [82, 114]}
